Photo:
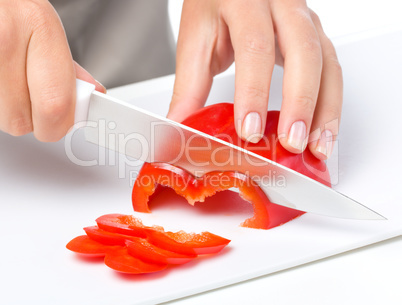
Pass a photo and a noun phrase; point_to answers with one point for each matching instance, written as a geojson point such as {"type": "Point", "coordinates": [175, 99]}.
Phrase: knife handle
{"type": "Point", "coordinates": [84, 92]}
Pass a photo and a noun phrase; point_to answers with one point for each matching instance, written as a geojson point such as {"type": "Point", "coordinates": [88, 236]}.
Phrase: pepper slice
{"type": "Point", "coordinates": [120, 260]}
{"type": "Point", "coordinates": [203, 243]}
{"type": "Point", "coordinates": [218, 120]}
{"type": "Point", "coordinates": [124, 224]}
{"type": "Point", "coordinates": [187, 243]}
{"type": "Point", "coordinates": [144, 250]}
{"type": "Point", "coordinates": [86, 246]}
{"type": "Point", "coordinates": [105, 237]}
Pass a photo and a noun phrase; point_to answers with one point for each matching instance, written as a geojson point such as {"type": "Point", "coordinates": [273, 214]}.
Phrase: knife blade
{"type": "Point", "coordinates": [143, 135]}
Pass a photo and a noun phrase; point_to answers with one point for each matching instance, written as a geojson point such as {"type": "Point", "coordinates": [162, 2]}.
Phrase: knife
{"type": "Point", "coordinates": [143, 135]}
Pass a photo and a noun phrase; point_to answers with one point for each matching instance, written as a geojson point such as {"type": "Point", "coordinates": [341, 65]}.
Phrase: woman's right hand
{"type": "Point", "coordinates": [37, 72]}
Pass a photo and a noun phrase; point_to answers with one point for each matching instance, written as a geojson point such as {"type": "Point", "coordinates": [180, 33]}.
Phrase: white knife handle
{"type": "Point", "coordinates": [84, 91]}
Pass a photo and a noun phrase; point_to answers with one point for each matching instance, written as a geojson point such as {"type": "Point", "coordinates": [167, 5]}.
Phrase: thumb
{"type": "Point", "coordinates": [84, 75]}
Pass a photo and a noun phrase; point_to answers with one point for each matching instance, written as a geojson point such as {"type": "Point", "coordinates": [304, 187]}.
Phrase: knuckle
{"type": "Point", "coordinates": [331, 112]}
{"type": "Point", "coordinates": [314, 17]}
{"type": "Point", "coordinates": [19, 126]}
{"type": "Point", "coordinates": [259, 44]}
{"type": "Point", "coordinates": [307, 43]}
{"type": "Point", "coordinates": [312, 47]}
{"type": "Point", "coordinates": [305, 102]}
{"type": "Point", "coordinates": [39, 15]}
{"type": "Point", "coordinates": [333, 65]}
{"type": "Point", "coordinates": [330, 59]}
{"type": "Point", "coordinates": [54, 107]}
{"type": "Point", "coordinates": [19, 19]}
{"type": "Point", "coordinates": [37, 10]}
{"type": "Point", "coordinates": [178, 98]}
{"type": "Point", "coordinates": [331, 62]}
{"type": "Point", "coordinates": [253, 92]}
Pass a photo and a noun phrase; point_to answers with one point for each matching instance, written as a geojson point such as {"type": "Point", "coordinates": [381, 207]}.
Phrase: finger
{"type": "Point", "coordinates": [84, 75]}
{"type": "Point", "coordinates": [327, 114]}
{"type": "Point", "coordinates": [196, 45]}
{"type": "Point", "coordinates": [15, 114]}
{"type": "Point", "coordinates": [51, 77]}
{"type": "Point", "coordinates": [252, 36]}
{"type": "Point", "coordinates": [300, 47]}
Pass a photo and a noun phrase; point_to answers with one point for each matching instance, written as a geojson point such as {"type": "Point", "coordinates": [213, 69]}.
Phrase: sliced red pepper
{"type": "Point", "coordinates": [161, 240]}
{"type": "Point", "coordinates": [120, 260]}
{"type": "Point", "coordinates": [124, 224]}
{"type": "Point", "coordinates": [185, 243]}
{"type": "Point", "coordinates": [142, 249]}
{"type": "Point", "coordinates": [115, 239]}
{"type": "Point", "coordinates": [106, 237]}
{"type": "Point", "coordinates": [218, 120]}
{"type": "Point", "coordinates": [152, 252]}
{"type": "Point", "coordinates": [86, 246]}
{"type": "Point", "coordinates": [203, 243]}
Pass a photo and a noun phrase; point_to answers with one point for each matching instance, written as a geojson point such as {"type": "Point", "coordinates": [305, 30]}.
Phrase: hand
{"type": "Point", "coordinates": [255, 34]}
{"type": "Point", "coordinates": [37, 74]}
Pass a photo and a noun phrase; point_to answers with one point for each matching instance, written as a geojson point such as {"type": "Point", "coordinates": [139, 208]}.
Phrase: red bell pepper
{"type": "Point", "coordinates": [218, 120]}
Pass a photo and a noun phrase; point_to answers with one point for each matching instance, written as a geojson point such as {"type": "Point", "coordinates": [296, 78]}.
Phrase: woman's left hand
{"type": "Point", "coordinates": [256, 34]}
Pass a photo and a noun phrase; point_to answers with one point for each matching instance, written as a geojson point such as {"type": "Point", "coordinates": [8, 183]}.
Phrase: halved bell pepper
{"type": "Point", "coordinates": [218, 120]}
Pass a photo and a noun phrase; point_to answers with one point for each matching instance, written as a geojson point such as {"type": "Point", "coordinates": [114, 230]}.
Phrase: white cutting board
{"type": "Point", "coordinates": [46, 199]}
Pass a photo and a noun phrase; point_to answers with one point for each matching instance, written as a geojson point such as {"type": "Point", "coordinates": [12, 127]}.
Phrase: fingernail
{"type": "Point", "coordinates": [324, 144]}
{"type": "Point", "coordinates": [102, 87]}
{"type": "Point", "coordinates": [297, 135]}
{"type": "Point", "coordinates": [251, 129]}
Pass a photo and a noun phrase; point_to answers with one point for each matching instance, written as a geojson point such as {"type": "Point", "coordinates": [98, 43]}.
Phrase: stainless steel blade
{"type": "Point", "coordinates": [151, 138]}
